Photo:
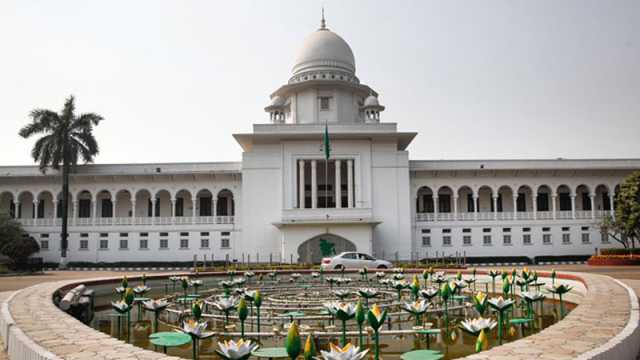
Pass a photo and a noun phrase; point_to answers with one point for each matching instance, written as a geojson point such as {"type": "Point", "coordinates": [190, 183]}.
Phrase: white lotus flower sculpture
{"type": "Point", "coordinates": [474, 326]}
{"type": "Point", "coordinates": [240, 350]}
{"type": "Point", "coordinates": [141, 289]}
{"type": "Point", "coordinates": [196, 329]}
{"type": "Point", "coordinates": [155, 305]}
{"type": "Point", "coordinates": [348, 352]}
{"type": "Point", "coordinates": [532, 296]}
{"type": "Point", "coordinates": [380, 274]}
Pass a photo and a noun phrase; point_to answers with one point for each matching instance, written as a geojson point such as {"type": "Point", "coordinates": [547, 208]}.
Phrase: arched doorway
{"type": "Point", "coordinates": [314, 249]}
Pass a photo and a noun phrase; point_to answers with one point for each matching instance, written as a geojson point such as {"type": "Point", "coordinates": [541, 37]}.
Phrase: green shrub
{"type": "Point", "coordinates": [620, 251]}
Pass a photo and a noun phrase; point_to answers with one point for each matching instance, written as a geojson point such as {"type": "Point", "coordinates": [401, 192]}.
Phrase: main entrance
{"type": "Point", "coordinates": [325, 245]}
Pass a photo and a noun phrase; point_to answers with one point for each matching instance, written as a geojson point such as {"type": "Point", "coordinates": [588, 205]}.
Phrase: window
{"type": "Point", "coordinates": [543, 202]}
{"type": "Point", "coordinates": [546, 239]}
{"type": "Point", "coordinates": [204, 233]}
{"type": "Point", "coordinates": [84, 244]}
{"type": "Point", "coordinates": [324, 103]}
{"type": "Point", "coordinates": [546, 229]}
{"type": "Point", "coordinates": [467, 230]}
{"type": "Point", "coordinates": [470, 203]}
{"type": "Point", "coordinates": [486, 230]}
{"type": "Point", "coordinates": [184, 234]}
{"type": "Point", "coordinates": [486, 240]}
{"type": "Point", "coordinates": [104, 235]}
{"type": "Point", "coordinates": [426, 241]}
{"type": "Point", "coordinates": [526, 239]}
{"type": "Point", "coordinates": [164, 234]}
{"type": "Point", "coordinates": [586, 202]}
{"type": "Point", "coordinates": [466, 240]}
{"type": "Point", "coordinates": [44, 236]}
{"type": "Point", "coordinates": [446, 231]}
{"type": "Point", "coordinates": [144, 244]}
{"type": "Point", "coordinates": [566, 228]}
{"type": "Point", "coordinates": [604, 236]}
{"type": "Point", "coordinates": [444, 203]}
{"type": "Point", "coordinates": [179, 211]}
{"type": "Point", "coordinates": [205, 206]}
{"type": "Point", "coordinates": [104, 244]}
{"type": "Point", "coordinates": [566, 238]}
{"type": "Point", "coordinates": [204, 243]}
{"type": "Point", "coordinates": [44, 244]}
{"type": "Point", "coordinates": [107, 208]}
{"type": "Point", "coordinates": [124, 244]}
{"type": "Point", "coordinates": [526, 229]}
{"type": "Point", "coordinates": [507, 230]}
{"type": "Point", "coordinates": [124, 234]}
{"type": "Point", "coordinates": [164, 243]}
{"type": "Point", "coordinates": [224, 243]}
{"type": "Point", "coordinates": [144, 234]}
{"type": "Point", "coordinates": [184, 243]}
{"type": "Point", "coordinates": [84, 235]}
{"type": "Point", "coordinates": [426, 231]}
{"type": "Point", "coordinates": [585, 238]}
{"type": "Point", "coordinates": [585, 228]}
{"type": "Point", "coordinates": [446, 240]}
{"type": "Point", "coordinates": [84, 208]}
{"type": "Point", "coordinates": [506, 239]}
{"type": "Point", "coordinates": [565, 202]}
{"type": "Point", "coordinates": [521, 202]}
{"type": "Point", "coordinates": [225, 233]}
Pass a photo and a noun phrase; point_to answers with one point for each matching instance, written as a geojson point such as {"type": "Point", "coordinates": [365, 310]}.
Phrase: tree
{"type": "Point", "coordinates": [625, 228]}
{"type": "Point", "coordinates": [66, 138]}
{"type": "Point", "coordinates": [13, 241]}
{"type": "Point", "coordinates": [10, 231]}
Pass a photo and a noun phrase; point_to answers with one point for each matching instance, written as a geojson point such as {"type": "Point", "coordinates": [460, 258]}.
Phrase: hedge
{"type": "Point", "coordinates": [620, 251]}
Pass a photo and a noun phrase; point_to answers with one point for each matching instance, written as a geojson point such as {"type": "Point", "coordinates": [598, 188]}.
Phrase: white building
{"type": "Point", "coordinates": [282, 198]}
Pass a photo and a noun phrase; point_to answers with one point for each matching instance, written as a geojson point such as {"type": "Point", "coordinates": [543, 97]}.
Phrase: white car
{"type": "Point", "coordinates": [353, 260]}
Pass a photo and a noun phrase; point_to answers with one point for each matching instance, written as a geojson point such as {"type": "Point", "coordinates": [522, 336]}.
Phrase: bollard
{"type": "Point", "coordinates": [270, 259]}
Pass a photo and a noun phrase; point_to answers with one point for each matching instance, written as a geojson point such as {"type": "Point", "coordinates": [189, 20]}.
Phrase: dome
{"type": "Point", "coordinates": [277, 101]}
{"type": "Point", "coordinates": [371, 101]}
{"type": "Point", "coordinates": [324, 50]}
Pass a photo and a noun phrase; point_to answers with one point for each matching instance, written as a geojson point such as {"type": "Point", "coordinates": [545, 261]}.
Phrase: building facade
{"type": "Point", "coordinates": [286, 197]}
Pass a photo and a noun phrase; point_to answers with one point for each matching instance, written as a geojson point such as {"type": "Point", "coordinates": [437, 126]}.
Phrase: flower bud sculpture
{"type": "Point", "coordinates": [376, 318]}
{"type": "Point", "coordinates": [560, 290]}
{"type": "Point", "coordinates": [257, 301]}
{"type": "Point", "coordinates": [415, 287]}
{"type": "Point", "coordinates": [360, 317]}
{"type": "Point", "coordinates": [309, 348]}
{"type": "Point", "coordinates": [480, 302]}
{"type": "Point", "coordinates": [293, 343]}
{"type": "Point", "coordinates": [243, 312]}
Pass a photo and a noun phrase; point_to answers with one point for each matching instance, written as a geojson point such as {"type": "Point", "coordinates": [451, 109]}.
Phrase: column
{"type": "Point", "coordinates": [338, 185]}
{"type": "Point", "coordinates": [75, 212]}
{"type": "Point", "coordinates": [34, 214]}
{"type": "Point", "coordinates": [495, 207]}
{"type": "Point", "coordinates": [194, 204]}
{"type": "Point", "coordinates": [95, 210]}
{"type": "Point", "coordinates": [435, 208]}
{"type": "Point", "coordinates": [133, 212]}
{"type": "Point", "coordinates": [214, 207]}
{"type": "Point", "coordinates": [113, 208]}
{"type": "Point", "coordinates": [612, 211]}
{"type": "Point", "coordinates": [301, 184]}
{"type": "Point", "coordinates": [476, 206]}
{"type": "Point", "coordinates": [420, 208]}
{"type": "Point", "coordinates": [573, 206]}
{"type": "Point", "coordinates": [534, 203]}
{"type": "Point", "coordinates": [593, 208]}
{"type": "Point", "coordinates": [55, 210]}
{"type": "Point", "coordinates": [553, 203]}
{"type": "Point", "coordinates": [455, 207]}
{"type": "Point", "coordinates": [314, 184]}
{"type": "Point", "coordinates": [15, 209]}
{"type": "Point", "coordinates": [153, 210]}
{"type": "Point", "coordinates": [173, 209]}
{"type": "Point", "coordinates": [350, 183]}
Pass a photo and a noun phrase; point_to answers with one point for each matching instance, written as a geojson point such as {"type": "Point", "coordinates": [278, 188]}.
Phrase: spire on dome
{"type": "Point", "coordinates": [323, 23]}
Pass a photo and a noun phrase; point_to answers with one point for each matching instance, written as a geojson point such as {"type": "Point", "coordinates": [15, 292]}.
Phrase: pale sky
{"type": "Point", "coordinates": [476, 79]}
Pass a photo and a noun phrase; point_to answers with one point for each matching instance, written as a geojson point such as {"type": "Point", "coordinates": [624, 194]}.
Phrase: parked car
{"type": "Point", "coordinates": [353, 260]}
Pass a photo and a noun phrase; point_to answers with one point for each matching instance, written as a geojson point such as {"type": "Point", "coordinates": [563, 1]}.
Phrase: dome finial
{"type": "Point", "coordinates": [323, 23]}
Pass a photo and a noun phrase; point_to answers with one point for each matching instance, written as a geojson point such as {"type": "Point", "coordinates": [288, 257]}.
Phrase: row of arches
{"type": "Point", "coordinates": [509, 199]}
{"type": "Point", "coordinates": [120, 203]}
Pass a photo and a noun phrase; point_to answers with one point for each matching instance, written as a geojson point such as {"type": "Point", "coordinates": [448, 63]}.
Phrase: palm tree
{"type": "Point", "coordinates": [66, 137]}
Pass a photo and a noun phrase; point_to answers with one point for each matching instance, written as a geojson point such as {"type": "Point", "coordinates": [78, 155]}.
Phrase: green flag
{"type": "Point", "coordinates": [325, 142]}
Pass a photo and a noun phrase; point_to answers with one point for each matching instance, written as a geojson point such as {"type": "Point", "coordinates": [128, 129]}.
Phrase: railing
{"type": "Point", "coordinates": [509, 215]}
{"type": "Point", "coordinates": [110, 221]}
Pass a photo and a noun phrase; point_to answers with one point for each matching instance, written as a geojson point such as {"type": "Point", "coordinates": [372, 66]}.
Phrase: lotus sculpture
{"type": "Point", "coordinates": [347, 352]}
{"type": "Point", "coordinates": [232, 350]}
{"type": "Point", "coordinates": [376, 319]}
{"type": "Point", "coordinates": [197, 331]}
{"type": "Point", "coordinates": [416, 308]}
